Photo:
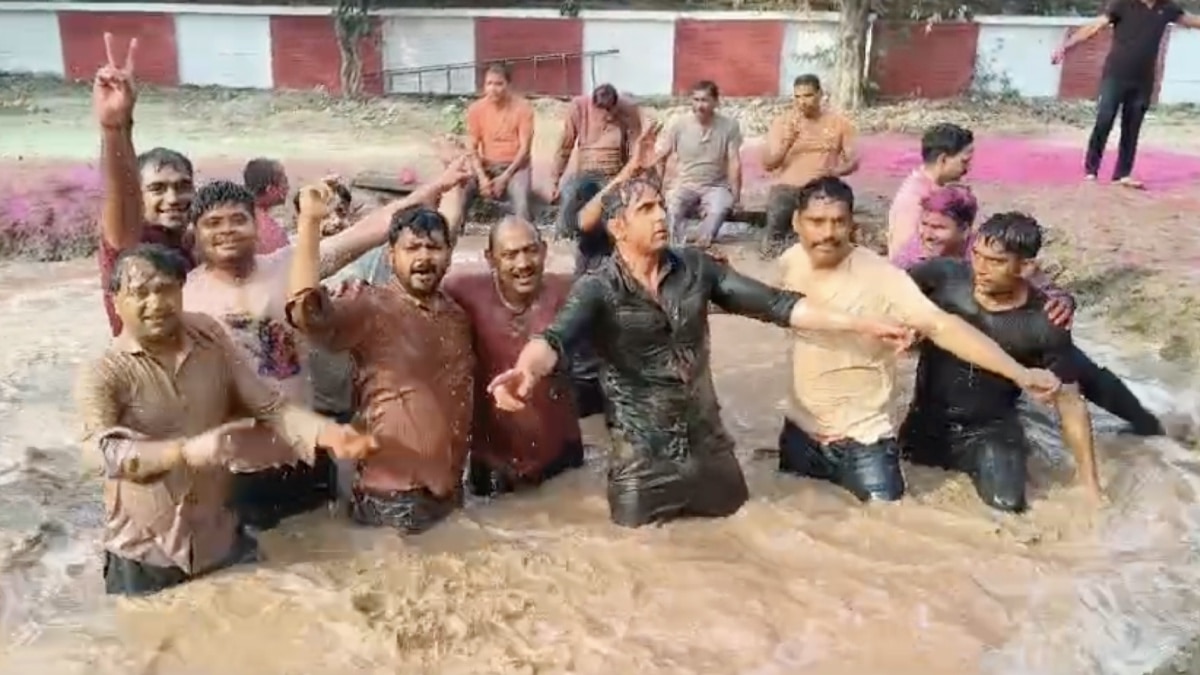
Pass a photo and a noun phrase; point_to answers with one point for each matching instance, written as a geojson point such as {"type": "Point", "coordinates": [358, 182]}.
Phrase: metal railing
{"type": "Point", "coordinates": [427, 73]}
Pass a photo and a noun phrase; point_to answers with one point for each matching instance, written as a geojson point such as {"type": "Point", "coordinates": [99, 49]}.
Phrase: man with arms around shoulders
{"type": "Point", "coordinates": [645, 309]}
{"type": "Point", "coordinates": [965, 420]}
{"type": "Point", "coordinates": [842, 422]}
{"type": "Point", "coordinates": [500, 127]}
{"type": "Point", "coordinates": [157, 413]}
{"type": "Point", "coordinates": [805, 142]}
{"type": "Point", "coordinates": [707, 150]}
{"type": "Point", "coordinates": [1130, 72]}
{"type": "Point", "coordinates": [508, 304]}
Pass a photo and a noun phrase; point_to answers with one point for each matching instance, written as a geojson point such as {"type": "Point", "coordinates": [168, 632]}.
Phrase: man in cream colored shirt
{"type": "Point", "coordinates": [844, 414]}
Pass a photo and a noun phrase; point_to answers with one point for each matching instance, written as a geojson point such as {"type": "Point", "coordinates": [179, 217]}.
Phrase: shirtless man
{"type": "Point", "coordinates": [948, 214]}
{"type": "Point", "coordinates": [967, 421]}
{"type": "Point", "coordinates": [157, 420]}
{"type": "Point", "coordinates": [248, 294]}
{"type": "Point", "coordinates": [707, 149]}
{"type": "Point", "coordinates": [646, 311]}
{"type": "Point", "coordinates": [412, 347]}
{"type": "Point", "coordinates": [842, 423]}
{"type": "Point", "coordinates": [509, 304]}
{"type": "Point", "coordinates": [601, 130]}
{"type": "Point", "coordinates": [500, 131]}
{"type": "Point", "coordinates": [268, 182]}
{"type": "Point", "coordinates": [805, 142]}
{"type": "Point", "coordinates": [154, 211]}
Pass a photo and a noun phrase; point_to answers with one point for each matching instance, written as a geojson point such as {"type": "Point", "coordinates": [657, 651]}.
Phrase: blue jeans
{"type": "Point", "coordinates": [869, 472]}
{"type": "Point", "coordinates": [577, 191]}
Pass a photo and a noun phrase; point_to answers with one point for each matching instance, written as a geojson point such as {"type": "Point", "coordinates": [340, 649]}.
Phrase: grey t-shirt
{"type": "Point", "coordinates": [702, 153]}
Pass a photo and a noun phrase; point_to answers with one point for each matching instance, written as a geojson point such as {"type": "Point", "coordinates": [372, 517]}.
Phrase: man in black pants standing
{"type": "Point", "coordinates": [1129, 75]}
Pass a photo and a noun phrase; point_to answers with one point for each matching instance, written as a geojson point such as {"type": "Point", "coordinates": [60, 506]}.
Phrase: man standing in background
{"type": "Point", "coordinates": [268, 182]}
{"type": "Point", "coordinates": [804, 143]}
{"type": "Point", "coordinates": [1127, 83]}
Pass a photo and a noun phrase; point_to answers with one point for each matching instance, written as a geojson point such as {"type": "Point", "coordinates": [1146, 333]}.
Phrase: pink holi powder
{"type": "Point", "coordinates": [1014, 161]}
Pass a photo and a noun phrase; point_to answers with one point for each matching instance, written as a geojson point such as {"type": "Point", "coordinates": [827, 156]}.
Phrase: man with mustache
{"type": "Point", "coordinates": [945, 230]}
{"type": "Point", "coordinates": [248, 294]}
{"type": "Point", "coordinates": [515, 300]}
{"type": "Point", "coordinates": [158, 414]}
{"type": "Point", "coordinates": [965, 420]}
{"type": "Point", "coordinates": [645, 309]}
{"type": "Point", "coordinates": [841, 426]}
{"type": "Point", "coordinates": [153, 210]}
{"type": "Point", "coordinates": [411, 344]}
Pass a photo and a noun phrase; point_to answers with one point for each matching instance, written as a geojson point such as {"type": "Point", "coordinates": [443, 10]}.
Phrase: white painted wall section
{"type": "Point", "coordinates": [1181, 68]}
{"type": "Point", "coordinates": [808, 47]}
{"type": "Point", "coordinates": [224, 51]}
{"type": "Point", "coordinates": [424, 42]}
{"type": "Point", "coordinates": [645, 62]}
{"type": "Point", "coordinates": [1016, 57]}
{"type": "Point", "coordinates": [31, 43]}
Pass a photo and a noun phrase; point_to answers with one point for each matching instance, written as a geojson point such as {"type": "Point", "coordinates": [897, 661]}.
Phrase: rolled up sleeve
{"type": "Point", "coordinates": [335, 323]}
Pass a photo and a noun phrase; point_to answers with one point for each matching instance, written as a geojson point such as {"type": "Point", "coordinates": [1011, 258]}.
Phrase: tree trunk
{"type": "Point", "coordinates": [351, 70]}
{"type": "Point", "coordinates": [853, 24]}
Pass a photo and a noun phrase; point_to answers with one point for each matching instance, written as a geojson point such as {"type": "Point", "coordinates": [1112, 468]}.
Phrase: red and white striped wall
{"type": "Point", "coordinates": [645, 53]}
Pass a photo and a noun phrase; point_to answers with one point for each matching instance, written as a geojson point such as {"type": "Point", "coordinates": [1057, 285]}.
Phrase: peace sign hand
{"type": "Point", "coordinates": [113, 93]}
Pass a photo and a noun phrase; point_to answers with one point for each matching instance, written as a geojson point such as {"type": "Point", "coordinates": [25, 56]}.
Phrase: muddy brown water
{"type": "Point", "coordinates": [802, 580]}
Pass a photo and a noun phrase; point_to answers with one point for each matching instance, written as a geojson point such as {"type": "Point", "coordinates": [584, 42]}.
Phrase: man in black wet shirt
{"type": "Point", "coordinates": [645, 309]}
{"type": "Point", "coordinates": [1130, 71]}
{"type": "Point", "coordinates": [965, 419]}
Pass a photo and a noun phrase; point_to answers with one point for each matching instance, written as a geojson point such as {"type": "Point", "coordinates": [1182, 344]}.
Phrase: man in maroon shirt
{"type": "Point", "coordinates": [146, 198]}
{"type": "Point", "coordinates": [507, 305]}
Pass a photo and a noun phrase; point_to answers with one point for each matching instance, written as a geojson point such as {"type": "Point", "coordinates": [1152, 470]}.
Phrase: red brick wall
{"type": "Point", "coordinates": [498, 39]}
{"type": "Point", "coordinates": [923, 60]}
{"type": "Point", "coordinates": [156, 60]}
{"type": "Point", "coordinates": [1083, 66]}
{"type": "Point", "coordinates": [742, 57]}
{"type": "Point", "coordinates": [305, 55]}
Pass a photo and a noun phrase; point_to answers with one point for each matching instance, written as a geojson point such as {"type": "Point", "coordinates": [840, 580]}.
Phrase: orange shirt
{"type": "Point", "coordinates": [497, 129]}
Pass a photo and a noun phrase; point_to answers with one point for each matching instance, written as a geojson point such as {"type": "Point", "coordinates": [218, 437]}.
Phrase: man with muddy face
{"type": "Point", "coordinates": [964, 420]}
{"type": "Point", "coordinates": [840, 426]}
{"type": "Point", "coordinates": [150, 210]}
{"type": "Point", "coordinates": [225, 229]}
{"type": "Point", "coordinates": [509, 304]}
{"type": "Point", "coordinates": [645, 309]}
{"type": "Point", "coordinates": [157, 412]}
{"type": "Point", "coordinates": [946, 231]}
{"type": "Point", "coordinates": [411, 344]}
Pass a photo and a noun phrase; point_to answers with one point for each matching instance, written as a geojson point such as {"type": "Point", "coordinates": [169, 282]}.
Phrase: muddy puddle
{"type": "Point", "coordinates": [802, 580]}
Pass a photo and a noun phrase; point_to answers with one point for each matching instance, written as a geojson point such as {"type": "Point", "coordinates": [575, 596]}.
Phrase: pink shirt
{"type": "Point", "coordinates": [252, 313]}
{"type": "Point", "coordinates": [271, 235]}
{"type": "Point", "coordinates": [905, 214]}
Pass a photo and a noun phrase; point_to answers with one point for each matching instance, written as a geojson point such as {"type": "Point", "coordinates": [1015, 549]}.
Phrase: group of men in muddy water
{"type": "Point", "coordinates": [247, 370]}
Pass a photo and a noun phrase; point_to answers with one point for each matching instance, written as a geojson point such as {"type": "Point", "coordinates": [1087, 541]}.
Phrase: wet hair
{"type": "Point", "coordinates": [1014, 232]}
{"type": "Point", "coordinates": [616, 201]}
{"type": "Point", "coordinates": [807, 80]}
{"type": "Point", "coordinates": [944, 140]}
{"type": "Point", "coordinates": [708, 87]}
{"type": "Point", "coordinates": [605, 96]}
{"type": "Point", "coordinates": [160, 158]}
{"type": "Point", "coordinates": [956, 202]}
{"type": "Point", "coordinates": [501, 69]}
{"type": "Point", "coordinates": [825, 187]}
{"type": "Point", "coordinates": [163, 259]}
{"type": "Point", "coordinates": [261, 174]}
{"type": "Point", "coordinates": [494, 230]}
{"type": "Point", "coordinates": [219, 193]}
{"type": "Point", "coordinates": [422, 221]}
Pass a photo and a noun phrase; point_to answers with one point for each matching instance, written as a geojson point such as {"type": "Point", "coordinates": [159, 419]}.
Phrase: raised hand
{"type": "Point", "coordinates": [316, 200]}
{"type": "Point", "coordinates": [457, 172]}
{"type": "Point", "coordinates": [113, 91]}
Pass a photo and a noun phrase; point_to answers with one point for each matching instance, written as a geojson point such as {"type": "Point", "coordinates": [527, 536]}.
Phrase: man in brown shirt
{"type": "Point", "coordinates": [600, 129]}
{"type": "Point", "coordinates": [804, 143]}
{"type": "Point", "coordinates": [500, 131]}
{"type": "Point", "coordinates": [412, 347]}
{"type": "Point", "coordinates": [156, 413]}
{"type": "Point", "coordinates": [513, 302]}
